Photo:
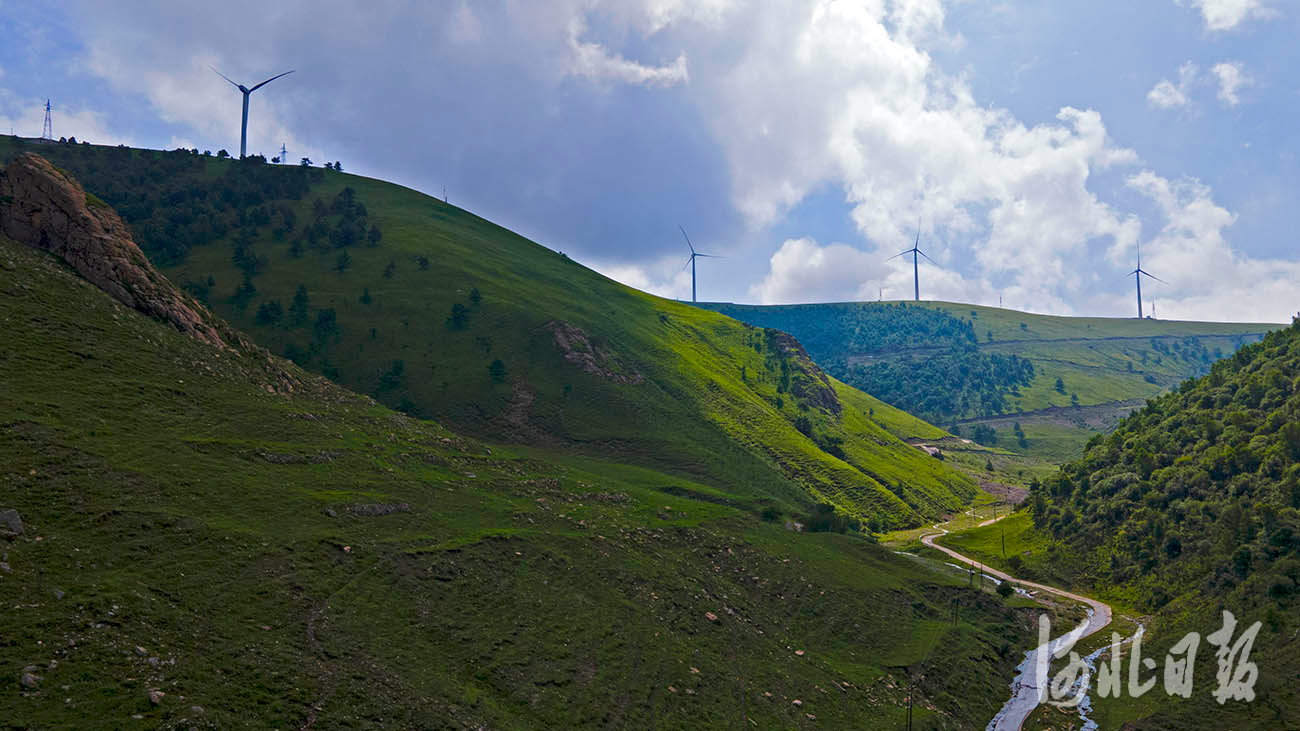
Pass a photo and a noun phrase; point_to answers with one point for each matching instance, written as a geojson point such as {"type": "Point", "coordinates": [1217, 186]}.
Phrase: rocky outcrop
{"type": "Point", "coordinates": [598, 361]}
{"type": "Point", "coordinates": [809, 382]}
{"type": "Point", "coordinates": [44, 208]}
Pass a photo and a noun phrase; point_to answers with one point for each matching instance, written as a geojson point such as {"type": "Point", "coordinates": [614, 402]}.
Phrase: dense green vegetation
{"type": "Point", "coordinates": [275, 558]}
{"type": "Point", "coordinates": [965, 366]}
{"type": "Point", "coordinates": [1190, 507]}
{"type": "Point", "coordinates": [440, 314]}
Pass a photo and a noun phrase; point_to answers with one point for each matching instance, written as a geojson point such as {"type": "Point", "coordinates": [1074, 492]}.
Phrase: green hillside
{"type": "Point", "coordinates": [1061, 379]}
{"type": "Point", "coordinates": [1188, 508]}
{"type": "Point", "coordinates": [444, 315]}
{"type": "Point", "coordinates": [263, 548]}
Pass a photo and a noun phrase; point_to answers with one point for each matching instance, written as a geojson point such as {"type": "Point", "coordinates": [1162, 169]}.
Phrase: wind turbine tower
{"type": "Point", "coordinates": [243, 126]}
{"type": "Point", "coordinates": [916, 271]}
{"type": "Point", "coordinates": [284, 155]}
{"type": "Point", "coordinates": [691, 262]}
{"type": "Point", "coordinates": [1137, 279]}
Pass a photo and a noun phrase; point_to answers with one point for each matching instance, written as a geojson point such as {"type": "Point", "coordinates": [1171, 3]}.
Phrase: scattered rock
{"type": "Point", "coordinates": [156, 697]}
{"type": "Point", "coordinates": [374, 509]}
{"type": "Point", "coordinates": [196, 710]}
{"type": "Point", "coordinates": [5, 567]}
{"type": "Point", "coordinates": [799, 653]}
{"type": "Point", "coordinates": [58, 593]}
{"type": "Point", "coordinates": [711, 616]}
{"type": "Point", "coordinates": [10, 524]}
{"type": "Point", "coordinates": [797, 702]}
{"type": "Point", "coordinates": [591, 357]}
{"type": "Point", "coordinates": [141, 651]}
{"type": "Point", "coordinates": [30, 681]}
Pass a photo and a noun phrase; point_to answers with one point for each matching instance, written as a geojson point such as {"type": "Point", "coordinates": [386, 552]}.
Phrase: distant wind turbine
{"type": "Point", "coordinates": [1137, 279]}
{"type": "Point", "coordinates": [916, 271]}
{"type": "Point", "coordinates": [243, 126]}
{"type": "Point", "coordinates": [691, 261]}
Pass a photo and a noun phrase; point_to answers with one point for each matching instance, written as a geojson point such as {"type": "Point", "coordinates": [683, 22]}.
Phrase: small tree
{"type": "Point", "coordinates": [329, 166]}
{"type": "Point", "coordinates": [298, 309]}
{"type": "Point", "coordinates": [338, 166]}
{"type": "Point", "coordinates": [344, 261]}
{"type": "Point", "coordinates": [374, 236]}
{"type": "Point", "coordinates": [306, 162]}
{"type": "Point", "coordinates": [222, 154]}
{"type": "Point", "coordinates": [422, 262]}
{"type": "Point", "coordinates": [459, 317]}
{"type": "Point", "coordinates": [270, 313]}
{"type": "Point", "coordinates": [390, 269]}
{"type": "Point", "coordinates": [1060, 386]}
{"type": "Point", "coordinates": [1005, 589]}
{"type": "Point", "coordinates": [474, 296]}
{"type": "Point", "coordinates": [497, 370]}
{"type": "Point", "coordinates": [365, 296]}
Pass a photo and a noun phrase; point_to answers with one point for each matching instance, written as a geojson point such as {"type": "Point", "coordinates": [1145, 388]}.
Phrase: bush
{"type": "Point", "coordinates": [1005, 589]}
{"type": "Point", "coordinates": [497, 370]}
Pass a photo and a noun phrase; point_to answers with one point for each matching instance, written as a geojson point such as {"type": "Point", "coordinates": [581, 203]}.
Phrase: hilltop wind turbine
{"type": "Point", "coordinates": [916, 271]}
{"type": "Point", "coordinates": [1137, 279]}
{"type": "Point", "coordinates": [691, 261]}
{"type": "Point", "coordinates": [243, 126]}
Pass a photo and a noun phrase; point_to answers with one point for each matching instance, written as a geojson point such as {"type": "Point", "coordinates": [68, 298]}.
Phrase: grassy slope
{"type": "Point", "coordinates": [191, 532]}
{"type": "Point", "coordinates": [1091, 355]}
{"type": "Point", "coordinates": [708, 407]}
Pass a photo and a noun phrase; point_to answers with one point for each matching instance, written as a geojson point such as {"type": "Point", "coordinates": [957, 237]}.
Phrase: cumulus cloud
{"type": "Point", "coordinates": [1222, 15]}
{"type": "Point", "coordinates": [1232, 78]}
{"type": "Point", "coordinates": [1167, 95]}
{"type": "Point", "coordinates": [593, 61]}
{"type": "Point", "coordinates": [1207, 278]}
{"type": "Point", "coordinates": [804, 271]}
{"type": "Point", "coordinates": [846, 94]}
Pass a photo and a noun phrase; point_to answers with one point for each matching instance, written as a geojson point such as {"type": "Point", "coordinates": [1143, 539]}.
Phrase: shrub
{"type": "Point", "coordinates": [497, 370]}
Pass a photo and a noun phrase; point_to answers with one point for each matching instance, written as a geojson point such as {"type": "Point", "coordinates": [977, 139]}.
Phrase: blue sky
{"type": "Point", "coordinates": [1039, 144]}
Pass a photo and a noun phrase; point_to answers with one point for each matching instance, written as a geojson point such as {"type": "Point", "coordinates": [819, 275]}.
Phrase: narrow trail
{"type": "Point", "coordinates": [1024, 697]}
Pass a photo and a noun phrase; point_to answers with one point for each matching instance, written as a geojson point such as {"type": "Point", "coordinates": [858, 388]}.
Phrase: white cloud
{"type": "Point", "coordinates": [1207, 278]}
{"type": "Point", "coordinates": [593, 61]}
{"type": "Point", "coordinates": [1167, 95]}
{"type": "Point", "coordinates": [845, 94]}
{"type": "Point", "coordinates": [804, 271]}
{"type": "Point", "coordinates": [664, 277]}
{"type": "Point", "coordinates": [1221, 15]}
{"type": "Point", "coordinates": [1231, 78]}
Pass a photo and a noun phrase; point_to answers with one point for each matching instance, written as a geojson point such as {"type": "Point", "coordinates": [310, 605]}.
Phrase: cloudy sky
{"type": "Point", "coordinates": [1037, 144]}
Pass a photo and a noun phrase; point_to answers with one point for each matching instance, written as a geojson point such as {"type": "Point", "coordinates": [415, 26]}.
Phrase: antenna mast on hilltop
{"type": "Point", "coordinates": [47, 132]}
{"type": "Point", "coordinates": [284, 155]}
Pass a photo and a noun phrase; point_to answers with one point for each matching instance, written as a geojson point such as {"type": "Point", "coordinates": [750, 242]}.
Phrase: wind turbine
{"type": "Point", "coordinates": [916, 271]}
{"type": "Point", "coordinates": [691, 262]}
{"type": "Point", "coordinates": [243, 127]}
{"type": "Point", "coordinates": [1137, 279]}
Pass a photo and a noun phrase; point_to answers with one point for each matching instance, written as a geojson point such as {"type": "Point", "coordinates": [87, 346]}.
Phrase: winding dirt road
{"type": "Point", "coordinates": [1025, 694]}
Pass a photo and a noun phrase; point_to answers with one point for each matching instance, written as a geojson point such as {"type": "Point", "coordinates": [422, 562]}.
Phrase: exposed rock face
{"type": "Point", "coordinates": [810, 381]}
{"type": "Point", "coordinates": [578, 350]}
{"type": "Point", "coordinates": [45, 209]}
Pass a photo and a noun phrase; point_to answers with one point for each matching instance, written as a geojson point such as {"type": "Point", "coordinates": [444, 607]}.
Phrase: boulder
{"type": "Point", "coordinates": [10, 523]}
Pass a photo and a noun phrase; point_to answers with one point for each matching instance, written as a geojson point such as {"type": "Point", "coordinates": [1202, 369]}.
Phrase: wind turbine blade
{"type": "Point", "coordinates": [273, 78]}
{"type": "Point", "coordinates": [227, 78]}
{"type": "Point", "coordinates": [1158, 279]}
{"type": "Point", "coordinates": [932, 261]}
{"type": "Point", "coordinates": [711, 256]}
{"type": "Point", "coordinates": [688, 238]}
{"type": "Point", "coordinates": [895, 256]}
{"type": "Point", "coordinates": [689, 259]}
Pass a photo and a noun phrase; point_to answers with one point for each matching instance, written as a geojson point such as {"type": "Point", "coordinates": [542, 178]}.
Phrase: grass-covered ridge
{"type": "Point", "coordinates": [444, 315]}
{"type": "Point", "coordinates": [278, 559]}
{"type": "Point", "coordinates": [1061, 379]}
